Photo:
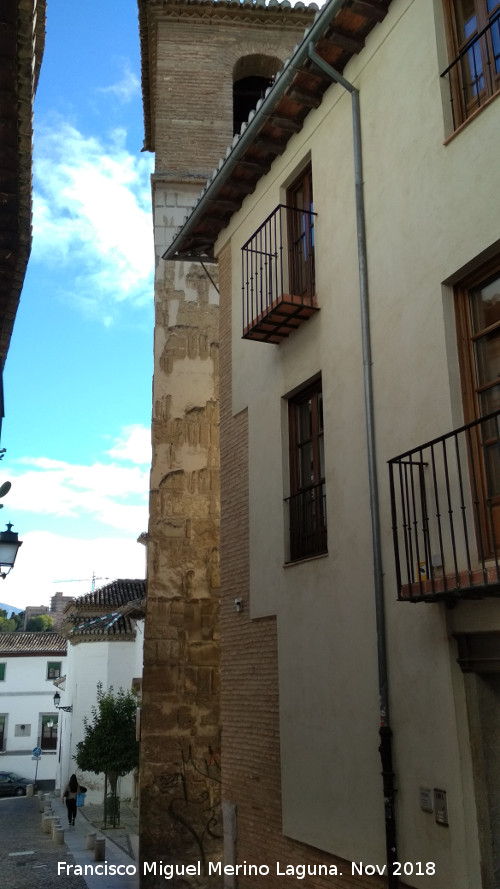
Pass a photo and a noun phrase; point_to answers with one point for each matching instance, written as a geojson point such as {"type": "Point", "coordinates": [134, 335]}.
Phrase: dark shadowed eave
{"type": "Point", "coordinates": [22, 36]}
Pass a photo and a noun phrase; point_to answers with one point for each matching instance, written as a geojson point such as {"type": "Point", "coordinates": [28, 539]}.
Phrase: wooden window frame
{"type": "Point", "coordinates": [466, 337]}
{"type": "Point", "coordinates": [300, 234]}
{"type": "Point", "coordinates": [463, 107]}
{"type": "Point", "coordinates": [307, 502]}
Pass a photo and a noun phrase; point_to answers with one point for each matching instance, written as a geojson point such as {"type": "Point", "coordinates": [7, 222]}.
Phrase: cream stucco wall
{"type": "Point", "coordinates": [431, 209]}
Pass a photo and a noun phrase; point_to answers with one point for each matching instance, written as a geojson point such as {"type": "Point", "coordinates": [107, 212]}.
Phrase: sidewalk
{"type": "Point", "coordinates": [121, 846]}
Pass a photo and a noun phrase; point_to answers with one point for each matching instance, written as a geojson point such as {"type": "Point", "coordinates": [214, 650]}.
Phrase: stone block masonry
{"type": "Point", "coordinates": [191, 56]}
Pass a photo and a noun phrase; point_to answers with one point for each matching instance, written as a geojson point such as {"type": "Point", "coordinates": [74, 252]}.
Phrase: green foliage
{"type": "Point", "coordinates": [18, 619]}
{"type": "Point", "coordinates": [42, 623]}
{"type": "Point", "coordinates": [7, 625]}
{"type": "Point", "coordinates": [12, 623]}
{"type": "Point", "coordinates": [109, 744]}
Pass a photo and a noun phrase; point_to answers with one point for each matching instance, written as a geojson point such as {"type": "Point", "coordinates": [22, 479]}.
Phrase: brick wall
{"type": "Point", "coordinates": [198, 52]}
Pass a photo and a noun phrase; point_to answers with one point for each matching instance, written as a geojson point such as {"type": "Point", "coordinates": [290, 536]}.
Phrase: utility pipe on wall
{"type": "Point", "coordinates": [385, 748]}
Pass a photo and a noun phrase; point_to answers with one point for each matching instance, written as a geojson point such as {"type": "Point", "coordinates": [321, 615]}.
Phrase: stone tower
{"type": "Point", "coordinates": [195, 56]}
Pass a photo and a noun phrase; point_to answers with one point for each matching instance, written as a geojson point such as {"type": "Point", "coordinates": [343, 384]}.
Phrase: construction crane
{"type": "Point", "coordinates": [91, 580]}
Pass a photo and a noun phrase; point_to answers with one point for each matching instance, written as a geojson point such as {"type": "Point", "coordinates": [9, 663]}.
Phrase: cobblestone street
{"type": "Point", "coordinates": [29, 859]}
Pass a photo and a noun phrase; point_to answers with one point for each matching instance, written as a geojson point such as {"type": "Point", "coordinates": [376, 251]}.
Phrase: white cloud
{"type": "Point", "coordinates": [134, 445]}
{"type": "Point", "coordinates": [92, 214]}
{"type": "Point", "coordinates": [106, 492]}
{"type": "Point", "coordinates": [46, 557]}
{"type": "Point", "coordinates": [96, 514]}
{"type": "Point", "coordinates": [127, 88]}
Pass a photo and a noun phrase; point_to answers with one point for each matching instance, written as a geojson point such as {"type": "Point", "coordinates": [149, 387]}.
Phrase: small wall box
{"type": "Point", "coordinates": [440, 806]}
{"type": "Point", "coordinates": [426, 800]}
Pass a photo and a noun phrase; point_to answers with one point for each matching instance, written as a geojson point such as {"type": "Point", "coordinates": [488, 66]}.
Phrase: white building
{"type": "Point", "coordinates": [29, 664]}
{"type": "Point", "coordinates": [105, 633]}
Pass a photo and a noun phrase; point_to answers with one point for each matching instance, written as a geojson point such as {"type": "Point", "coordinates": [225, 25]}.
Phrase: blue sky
{"type": "Point", "coordinates": [78, 374]}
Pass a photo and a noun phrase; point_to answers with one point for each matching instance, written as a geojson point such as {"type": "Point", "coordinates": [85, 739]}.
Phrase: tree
{"type": "Point", "coordinates": [7, 625]}
{"type": "Point", "coordinates": [42, 623]}
{"type": "Point", "coordinates": [12, 623]}
{"type": "Point", "coordinates": [110, 745]}
{"type": "Point", "coordinates": [18, 619]}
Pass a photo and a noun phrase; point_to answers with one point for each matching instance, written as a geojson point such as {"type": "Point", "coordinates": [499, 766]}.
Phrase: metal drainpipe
{"type": "Point", "coordinates": [385, 748]}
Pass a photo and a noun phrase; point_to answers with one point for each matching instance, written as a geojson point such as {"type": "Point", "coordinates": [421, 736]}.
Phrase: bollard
{"type": "Point", "coordinates": [58, 836]}
{"type": "Point", "coordinates": [90, 841]}
{"type": "Point", "coordinates": [56, 823]}
{"type": "Point", "coordinates": [99, 849]}
{"type": "Point", "coordinates": [30, 790]}
{"type": "Point", "coordinates": [47, 823]}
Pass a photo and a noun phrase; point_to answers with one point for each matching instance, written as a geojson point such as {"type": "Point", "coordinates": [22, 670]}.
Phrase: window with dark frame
{"type": "Point", "coordinates": [301, 236]}
{"type": "Point", "coordinates": [48, 740]}
{"type": "Point", "coordinates": [478, 329]}
{"type": "Point", "coordinates": [278, 267]}
{"type": "Point", "coordinates": [473, 33]}
{"type": "Point", "coordinates": [54, 669]}
{"type": "Point", "coordinates": [2, 672]}
{"type": "Point", "coordinates": [307, 501]}
{"type": "Point", "coordinates": [3, 720]}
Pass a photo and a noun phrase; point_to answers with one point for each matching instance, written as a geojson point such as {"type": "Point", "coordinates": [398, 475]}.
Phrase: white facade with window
{"type": "Point", "coordinates": [29, 662]}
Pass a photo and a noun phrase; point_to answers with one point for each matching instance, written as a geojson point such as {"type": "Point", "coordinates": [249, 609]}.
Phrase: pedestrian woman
{"type": "Point", "coordinates": [69, 796]}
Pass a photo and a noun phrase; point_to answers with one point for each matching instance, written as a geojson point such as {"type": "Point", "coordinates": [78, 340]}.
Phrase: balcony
{"type": "Point", "coordinates": [445, 502]}
{"type": "Point", "coordinates": [473, 76]}
{"type": "Point", "coordinates": [278, 275]}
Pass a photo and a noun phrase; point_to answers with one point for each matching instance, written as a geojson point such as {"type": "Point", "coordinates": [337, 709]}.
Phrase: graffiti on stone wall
{"type": "Point", "coordinates": [195, 798]}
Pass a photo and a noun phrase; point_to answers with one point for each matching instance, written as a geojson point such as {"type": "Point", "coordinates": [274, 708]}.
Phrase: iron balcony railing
{"type": "Point", "coordinates": [278, 266]}
{"type": "Point", "coordinates": [307, 523]}
{"type": "Point", "coordinates": [445, 502]}
{"type": "Point", "coordinates": [472, 76]}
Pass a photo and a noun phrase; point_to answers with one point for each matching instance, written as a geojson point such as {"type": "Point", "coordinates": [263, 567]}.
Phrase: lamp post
{"type": "Point", "coordinates": [57, 701]}
{"type": "Point", "coordinates": [9, 545]}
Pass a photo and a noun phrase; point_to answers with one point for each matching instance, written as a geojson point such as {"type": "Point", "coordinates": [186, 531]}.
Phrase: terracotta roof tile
{"type": "Point", "coordinates": [32, 643]}
{"type": "Point", "coordinates": [107, 625]}
{"type": "Point", "coordinates": [114, 594]}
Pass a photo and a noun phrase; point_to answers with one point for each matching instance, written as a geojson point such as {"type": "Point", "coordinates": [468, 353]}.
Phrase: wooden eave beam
{"type": "Point", "coordinates": [273, 146]}
{"type": "Point", "coordinates": [213, 220]}
{"type": "Point", "coordinates": [371, 9]}
{"type": "Point", "coordinates": [252, 165]}
{"type": "Point", "coordinates": [288, 124]}
{"type": "Point", "coordinates": [304, 97]}
{"type": "Point", "coordinates": [339, 40]}
{"type": "Point", "coordinates": [226, 204]}
{"type": "Point", "coordinates": [244, 185]}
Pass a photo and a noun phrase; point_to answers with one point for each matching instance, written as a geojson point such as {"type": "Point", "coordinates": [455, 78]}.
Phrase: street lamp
{"type": "Point", "coordinates": [9, 545]}
{"type": "Point", "coordinates": [57, 701]}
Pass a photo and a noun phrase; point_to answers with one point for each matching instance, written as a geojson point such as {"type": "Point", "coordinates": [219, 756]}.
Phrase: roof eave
{"type": "Point", "coordinates": [192, 244]}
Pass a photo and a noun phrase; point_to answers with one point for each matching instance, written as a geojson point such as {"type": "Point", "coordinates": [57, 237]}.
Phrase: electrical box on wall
{"type": "Point", "coordinates": [426, 800]}
{"type": "Point", "coordinates": [440, 806]}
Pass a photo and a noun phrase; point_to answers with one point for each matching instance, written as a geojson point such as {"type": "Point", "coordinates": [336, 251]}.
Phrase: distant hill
{"type": "Point", "coordinates": [10, 608]}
